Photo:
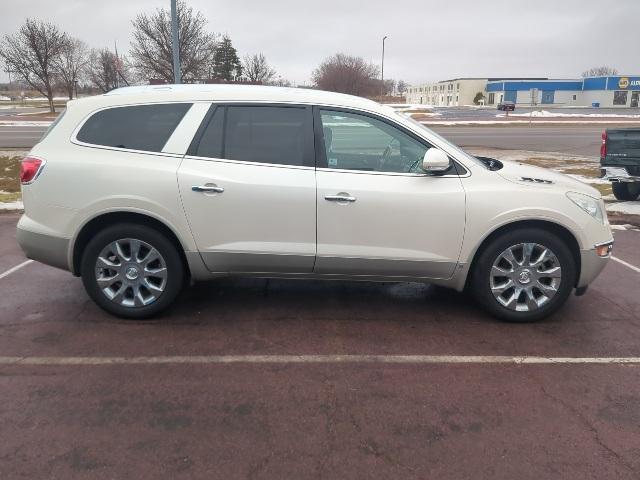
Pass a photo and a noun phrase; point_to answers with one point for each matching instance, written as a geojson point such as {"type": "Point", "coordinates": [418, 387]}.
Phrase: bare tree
{"type": "Point", "coordinates": [151, 47]}
{"type": "Point", "coordinates": [32, 53]}
{"type": "Point", "coordinates": [106, 71]}
{"type": "Point", "coordinates": [402, 87]}
{"type": "Point", "coordinates": [71, 63]}
{"type": "Point", "coordinates": [257, 69]}
{"type": "Point", "coordinates": [347, 74]}
{"type": "Point", "coordinates": [600, 71]}
{"type": "Point", "coordinates": [389, 87]}
{"type": "Point", "coordinates": [280, 82]}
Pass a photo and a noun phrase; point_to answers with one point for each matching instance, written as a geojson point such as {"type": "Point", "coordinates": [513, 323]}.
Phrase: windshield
{"type": "Point", "coordinates": [440, 137]}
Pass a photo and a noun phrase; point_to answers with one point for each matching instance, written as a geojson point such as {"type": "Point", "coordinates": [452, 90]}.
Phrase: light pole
{"type": "Point", "coordinates": [382, 87]}
{"type": "Point", "coordinates": [174, 42]}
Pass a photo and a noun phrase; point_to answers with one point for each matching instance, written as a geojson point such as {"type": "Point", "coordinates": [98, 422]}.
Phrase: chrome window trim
{"type": "Point", "coordinates": [392, 119]}
{"type": "Point", "coordinates": [247, 162]}
{"type": "Point", "coordinates": [392, 174]}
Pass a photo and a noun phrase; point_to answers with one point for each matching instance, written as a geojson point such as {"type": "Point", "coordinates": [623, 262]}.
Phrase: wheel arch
{"type": "Point", "coordinates": [108, 219]}
{"type": "Point", "coordinates": [561, 231]}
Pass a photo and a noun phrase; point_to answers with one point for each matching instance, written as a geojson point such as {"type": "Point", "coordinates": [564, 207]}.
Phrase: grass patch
{"type": "Point", "coordinates": [603, 188]}
{"type": "Point", "coordinates": [593, 172]}
{"type": "Point", "coordinates": [10, 197]}
{"type": "Point", "coordinates": [9, 177]}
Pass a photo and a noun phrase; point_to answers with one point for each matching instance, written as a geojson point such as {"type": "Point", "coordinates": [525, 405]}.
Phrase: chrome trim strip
{"type": "Point", "coordinates": [602, 244]}
{"type": "Point", "coordinates": [246, 162]}
{"type": "Point", "coordinates": [204, 188]}
{"type": "Point", "coordinates": [394, 174]}
{"type": "Point", "coordinates": [618, 174]}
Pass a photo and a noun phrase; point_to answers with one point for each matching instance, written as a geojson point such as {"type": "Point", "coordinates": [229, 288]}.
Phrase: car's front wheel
{"type": "Point", "coordinates": [132, 271]}
{"type": "Point", "coordinates": [626, 191]}
{"type": "Point", "coordinates": [524, 275]}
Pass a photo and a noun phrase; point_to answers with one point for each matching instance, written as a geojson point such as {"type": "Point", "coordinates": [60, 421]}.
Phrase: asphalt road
{"type": "Point", "coordinates": [20, 137]}
{"type": "Point", "coordinates": [570, 139]}
{"type": "Point", "coordinates": [190, 395]}
{"type": "Point", "coordinates": [578, 140]}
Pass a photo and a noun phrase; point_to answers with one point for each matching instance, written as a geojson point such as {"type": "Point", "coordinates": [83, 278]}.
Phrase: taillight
{"type": "Point", "coordinates": [30, 168]}
{"type": "Point", "coordinates": [603, 147]}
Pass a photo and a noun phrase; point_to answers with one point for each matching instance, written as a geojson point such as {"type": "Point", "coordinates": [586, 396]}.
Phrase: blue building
{"type": "Point", "coordinates": [610, 92]}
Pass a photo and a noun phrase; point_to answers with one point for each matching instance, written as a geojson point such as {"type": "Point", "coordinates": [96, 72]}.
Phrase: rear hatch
{"type": "Point", "coordinates": [622, 148]}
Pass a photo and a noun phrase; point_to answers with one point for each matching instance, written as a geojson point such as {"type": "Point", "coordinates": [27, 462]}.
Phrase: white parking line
{"type": "Point", "coordinates": [15, 269]}
{"type": "Point", "coordinates": [628, 265]}
{"type": "Point", "coordinates": [282, 359]}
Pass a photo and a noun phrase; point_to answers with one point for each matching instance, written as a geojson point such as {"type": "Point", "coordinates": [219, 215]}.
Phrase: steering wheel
{"type": "Point", "coordinates": [384, 160]}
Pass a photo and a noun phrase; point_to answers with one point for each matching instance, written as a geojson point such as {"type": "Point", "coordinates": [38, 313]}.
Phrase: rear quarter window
{"type": "Point", "coordinates": [139, 127]}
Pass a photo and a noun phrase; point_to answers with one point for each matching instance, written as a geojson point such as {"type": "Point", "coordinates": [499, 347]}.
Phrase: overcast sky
{"type": "Point", "coordinates": [428, 40]}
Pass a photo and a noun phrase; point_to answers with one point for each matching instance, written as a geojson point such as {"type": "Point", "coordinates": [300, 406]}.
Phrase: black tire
{"type": "Point", "coordinates": [626, 191]}
{"type": "Point", "coordinates": [175, 269]}
{"type": "Point", "coordinates": [480, 286]}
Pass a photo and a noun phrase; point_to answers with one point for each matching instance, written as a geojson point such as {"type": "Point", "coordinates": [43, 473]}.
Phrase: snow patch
{"type": "Point", "coordinates": [626, 226]}
{"type": "Point", "coordinates": [408, 106]}
{"type": "Point", "coordinates": [548, 114]}
{"type": "Point", "coordinates": [631, 208]}
{"type": "Point", "coordinates": [26, 123]}
{"type": "Point", "coordinates": [13, 153]}
{"type": "Point", "coordinates": [11, 206]}
{"type": "Point", "coordinates": [524, 122]}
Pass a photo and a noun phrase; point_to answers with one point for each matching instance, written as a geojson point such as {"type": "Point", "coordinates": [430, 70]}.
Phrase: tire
{"type": "Point", "coordinates": [540, 277]}
{"type": "Point", "coordinates": [112, 273]}
{"type": "Point", "coordinates": [626, 191]}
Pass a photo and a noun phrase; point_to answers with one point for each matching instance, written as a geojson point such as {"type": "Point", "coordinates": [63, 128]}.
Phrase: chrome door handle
{"type": "Point", "coordinates": [339, 198]}
{"type": "Point", "coordinates": [206, 188]}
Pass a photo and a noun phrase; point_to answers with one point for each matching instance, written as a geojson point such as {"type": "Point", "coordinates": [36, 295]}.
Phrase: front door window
{"type": "Point", "coordinates": [359, 142]}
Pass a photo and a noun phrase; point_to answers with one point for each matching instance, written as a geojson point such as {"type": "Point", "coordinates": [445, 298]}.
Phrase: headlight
{"type": "Point", "coordinates": [589, 204]}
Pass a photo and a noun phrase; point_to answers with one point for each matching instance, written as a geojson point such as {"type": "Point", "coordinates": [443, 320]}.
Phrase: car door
{"type": "Point", "coordinates": [248, 189]}
{"type": "Point", "coordinates": [379, 214]}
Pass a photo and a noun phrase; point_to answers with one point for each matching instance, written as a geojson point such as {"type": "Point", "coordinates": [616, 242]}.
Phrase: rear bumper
{"type": "Point", "coordinates": [617, 174]}
{"type": "Point", "coordinates": [44, 248]}
{"type": "Point", "coordinates": [591, 264]}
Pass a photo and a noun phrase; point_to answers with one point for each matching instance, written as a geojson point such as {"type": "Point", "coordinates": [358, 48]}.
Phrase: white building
{"type": "Point", "coordinates": [447, 93]}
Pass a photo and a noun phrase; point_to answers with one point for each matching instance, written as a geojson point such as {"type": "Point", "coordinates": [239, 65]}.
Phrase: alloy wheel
{"type": "Point", "coordinates": [525, 277]}
{"type": "Point", "coordinates": [131, 273]}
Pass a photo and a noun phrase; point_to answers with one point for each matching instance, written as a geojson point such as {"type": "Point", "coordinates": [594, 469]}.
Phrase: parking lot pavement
{"type": "Point", "coordinates": [118, 399]}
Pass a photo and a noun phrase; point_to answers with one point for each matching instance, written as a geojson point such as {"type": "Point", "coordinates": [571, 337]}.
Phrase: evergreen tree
{"type": "Point", "coordinates": [226, 64]}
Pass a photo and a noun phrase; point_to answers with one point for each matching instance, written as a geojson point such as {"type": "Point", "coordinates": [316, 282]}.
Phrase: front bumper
{"type": "Point", "coordinates": [592, 264]}
{"type": "Point", "coordinates": [617, 174]}
{"type": "Point", "coordinates": [44, 248]}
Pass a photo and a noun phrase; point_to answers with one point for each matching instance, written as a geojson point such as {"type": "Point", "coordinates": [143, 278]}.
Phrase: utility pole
{"type": "Point", "coordinates": [115, 65]}
{"type": "Point", "coordinates": [382, 87]}
{"type": "Point", "coordinates": [174, 42]}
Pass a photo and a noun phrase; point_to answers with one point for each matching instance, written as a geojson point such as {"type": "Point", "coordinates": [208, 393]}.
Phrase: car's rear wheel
{"type": "Point", "coordinates": [524, 275]}
{"type": "Point", "coordinates": [132, 271]}
{"type": "Point", "coordinates": [626, 191]}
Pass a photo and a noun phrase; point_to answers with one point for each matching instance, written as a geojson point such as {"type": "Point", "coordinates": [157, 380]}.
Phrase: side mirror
{"type": "Point", "coordinates": [435, 161]}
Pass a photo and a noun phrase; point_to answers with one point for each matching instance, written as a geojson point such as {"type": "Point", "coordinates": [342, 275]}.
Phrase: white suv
{"type": "Point", "coordinates": [139, 189]}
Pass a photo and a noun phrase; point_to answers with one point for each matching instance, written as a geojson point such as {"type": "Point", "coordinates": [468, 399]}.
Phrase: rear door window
{"type": "Point", "coordinates": [139, 127]}
{"type": "Point", "coordinates": [265, 134]}
{"type": "Point", "coordinates": [279, 135]}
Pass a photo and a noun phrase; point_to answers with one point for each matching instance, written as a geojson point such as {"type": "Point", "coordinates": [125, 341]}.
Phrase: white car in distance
{"type": "Point", "coordinates": [139, 189]}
